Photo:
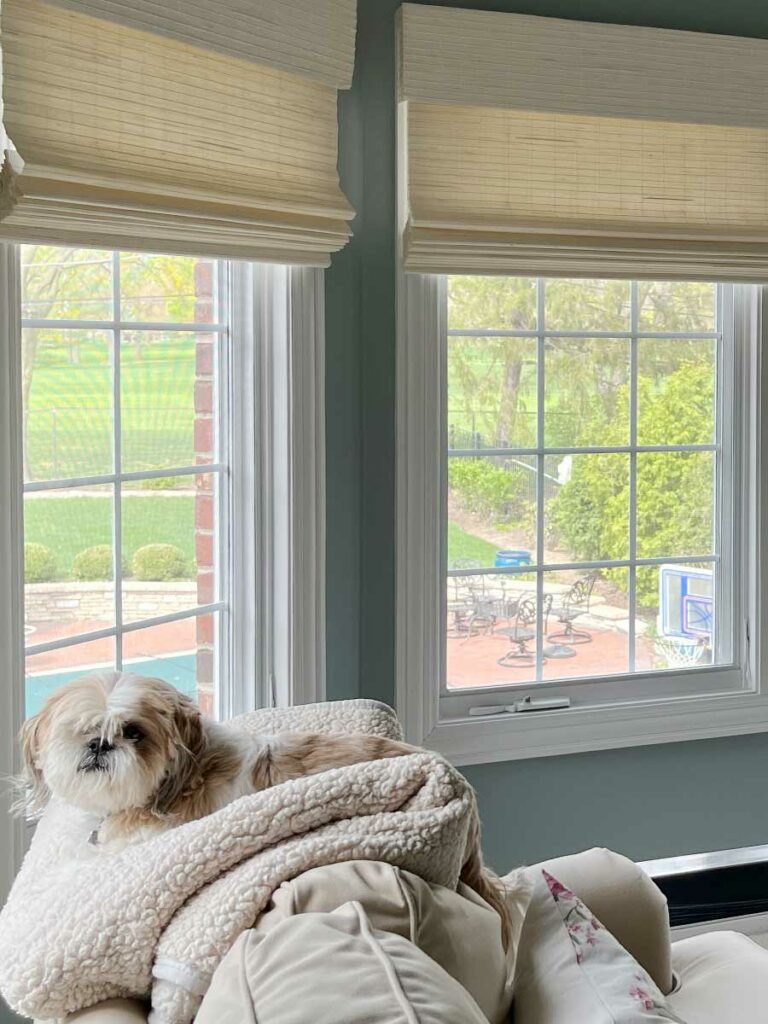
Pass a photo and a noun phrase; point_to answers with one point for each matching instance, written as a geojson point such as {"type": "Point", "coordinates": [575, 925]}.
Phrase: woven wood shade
{"type": "Point", "coordinates": [127, 133]}
{"type": "Point", "coordinates": [541, 146]}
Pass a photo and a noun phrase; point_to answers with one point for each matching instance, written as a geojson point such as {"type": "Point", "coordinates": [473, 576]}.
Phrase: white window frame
{"type": "Point", "coordinates": [644, 708]}
{"type": "Point", "coordinates": [275, 497]}
{"type": "Point", "coordinates": [278, 500]}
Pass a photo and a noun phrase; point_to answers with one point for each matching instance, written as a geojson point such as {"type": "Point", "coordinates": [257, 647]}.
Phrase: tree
{"type": "Point", "coordinates": [75, 284]}
{"type": "Point", "coordinates": [487, 392]}
{"type": "Point", "coordinates": [674, 492]}
{"type": "Point", "coordinates": [48, 276]}
{"type": "Point", "coordinates": [492, 401]}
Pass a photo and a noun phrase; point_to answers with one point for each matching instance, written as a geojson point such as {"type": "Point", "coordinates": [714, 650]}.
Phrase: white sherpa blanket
{"type": "Point", "coordinates": [157, 917]}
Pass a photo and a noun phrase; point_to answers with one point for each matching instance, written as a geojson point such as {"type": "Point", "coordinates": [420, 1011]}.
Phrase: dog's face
{"type": "Point", "coordinates": [111, 742]}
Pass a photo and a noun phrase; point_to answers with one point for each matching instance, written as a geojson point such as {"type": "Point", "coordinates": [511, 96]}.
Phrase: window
{"type": "Point", "coordinates": [126, 456]}
{"type": "Point", "coordinates": [577, 485]}
{"type": "Point", "coordinates": [164, 450]}
{"type": "Point", "coordinates": [161, 446]}
{"type": "Point", "coordinates": [585, 479]}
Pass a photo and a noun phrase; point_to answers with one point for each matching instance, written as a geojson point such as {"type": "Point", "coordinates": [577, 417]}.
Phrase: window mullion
{"type": "Point", "coordinates": [117, 496]}
{"type": "Point", "coordinates": [540, 391]}
{"type": "Point", "coordinates": [632, 540]}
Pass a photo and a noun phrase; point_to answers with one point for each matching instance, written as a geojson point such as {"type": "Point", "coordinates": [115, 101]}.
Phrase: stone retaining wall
{"type": "Point", "coordinates": [80, 602]}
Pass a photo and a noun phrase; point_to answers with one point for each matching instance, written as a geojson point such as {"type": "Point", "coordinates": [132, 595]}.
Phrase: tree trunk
{"type": "Point", "coordinates": [510, 387]}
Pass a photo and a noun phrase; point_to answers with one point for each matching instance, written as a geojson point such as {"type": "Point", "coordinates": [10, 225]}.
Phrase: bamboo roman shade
{"type": "Point", "coordinates": [541, 146]}
{"type": "Point", "coordinates": [189, 126]}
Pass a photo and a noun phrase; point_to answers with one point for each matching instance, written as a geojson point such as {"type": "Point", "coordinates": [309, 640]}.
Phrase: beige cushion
{"type": "Point", "coordinates": [626, 900]}
{"type": "Point", "coordinates": [112, 1011]}
{"type": "Point", "coordinates": [723, 978]}
{"type": "Point", "coordinates": [458, 930]}
{"type": "Point", "coordinates": [333, 968]}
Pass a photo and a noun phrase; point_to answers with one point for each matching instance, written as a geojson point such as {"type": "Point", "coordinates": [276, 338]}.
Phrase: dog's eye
{"type": "Point", "coordinates": [131, 731]}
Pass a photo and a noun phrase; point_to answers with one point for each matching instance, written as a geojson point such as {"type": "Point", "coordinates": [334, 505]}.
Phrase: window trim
{"type": "Point", "coordinates": [740, 706]}
{"type": "Point", "coordinates": [277, 503]}
{"type": "Point", "coordinates": [277, 405]}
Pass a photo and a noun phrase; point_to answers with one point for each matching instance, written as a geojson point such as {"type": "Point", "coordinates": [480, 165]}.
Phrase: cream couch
{"type": "Point", "coordinates": [340, 943]}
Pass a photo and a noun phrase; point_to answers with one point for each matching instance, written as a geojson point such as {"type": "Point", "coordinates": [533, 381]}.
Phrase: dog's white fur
{"type": "Point", "coordinates": [141, 756]}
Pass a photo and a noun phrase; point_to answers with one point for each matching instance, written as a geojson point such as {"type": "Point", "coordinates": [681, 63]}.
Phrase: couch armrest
{"type": "Point", "coordinates": [626, 901]}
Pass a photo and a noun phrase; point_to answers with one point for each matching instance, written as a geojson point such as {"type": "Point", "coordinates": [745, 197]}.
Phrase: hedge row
{"type": "Point", "coordinates": [152, 562]}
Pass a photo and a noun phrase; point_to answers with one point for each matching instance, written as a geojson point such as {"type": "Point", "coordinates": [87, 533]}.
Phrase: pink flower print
{"type": "Point", "coordinates": [642, 996]}
{"type": "Point", "coordinates": [557, 888]}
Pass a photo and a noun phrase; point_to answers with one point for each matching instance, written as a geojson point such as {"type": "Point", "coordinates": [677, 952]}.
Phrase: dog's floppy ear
{"type": "Point", "coordinates": [189, 741]}
{"type": "Point", "coordinates": [31, 739]}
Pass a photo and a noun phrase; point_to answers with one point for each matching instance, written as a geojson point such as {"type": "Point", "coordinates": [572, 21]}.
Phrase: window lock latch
{"type": "Point", "coordinates": [524, 704]}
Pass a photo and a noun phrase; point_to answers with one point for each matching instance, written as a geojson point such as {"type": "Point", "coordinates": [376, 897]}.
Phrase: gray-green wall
{"type": "Point", "coordinates": [647, 801]}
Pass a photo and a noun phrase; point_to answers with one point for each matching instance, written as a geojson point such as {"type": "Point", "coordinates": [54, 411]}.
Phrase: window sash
{"type": "Point", "coordinates": [220, 607]}
{"type": "Point", "coordinates": [724, 454]}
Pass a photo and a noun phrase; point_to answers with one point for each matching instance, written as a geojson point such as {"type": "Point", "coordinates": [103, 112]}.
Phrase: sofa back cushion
{"type": "Point", "coordinates": [458, 930]}
{"type": "Point", "coordinates": [333, 968]}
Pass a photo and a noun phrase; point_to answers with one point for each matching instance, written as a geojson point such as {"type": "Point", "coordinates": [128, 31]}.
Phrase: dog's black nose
{"type": "Point", "coordinates": [100, 746]}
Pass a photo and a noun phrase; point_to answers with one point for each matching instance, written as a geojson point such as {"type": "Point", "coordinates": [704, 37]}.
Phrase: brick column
{"type": "Point", "coordinates": [204, 484]}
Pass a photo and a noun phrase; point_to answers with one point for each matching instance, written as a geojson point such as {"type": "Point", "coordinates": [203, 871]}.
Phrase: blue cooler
{"type": "Point", "coordinates": [509, 559]}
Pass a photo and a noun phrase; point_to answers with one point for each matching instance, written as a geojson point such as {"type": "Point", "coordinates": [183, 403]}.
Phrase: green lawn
{"type": "Point", "coordinates": [68, 525]}
{"type": "Point", "coordinates": [462, 545]}
{"type": "Point", "coordinates": [69, 425]}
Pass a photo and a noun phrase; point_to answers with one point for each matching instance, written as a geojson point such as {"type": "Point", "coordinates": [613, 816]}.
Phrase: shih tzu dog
{"type": "Point", "coordinates": [141, 756]}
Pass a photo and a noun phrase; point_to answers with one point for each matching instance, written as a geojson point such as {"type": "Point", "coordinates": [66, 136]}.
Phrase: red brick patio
{"type": "Point", "coordinates": [473, 661]}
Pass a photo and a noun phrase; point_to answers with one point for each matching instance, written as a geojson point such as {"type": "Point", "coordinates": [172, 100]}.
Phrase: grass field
{"type": "Point", "coordinates": [462, 545]}
{"type": "Point", "coordinates": [69, 525]}
{"type": "Point", "coordinates": [69, 424]}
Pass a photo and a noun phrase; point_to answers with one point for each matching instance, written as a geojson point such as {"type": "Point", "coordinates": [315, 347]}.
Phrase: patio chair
{"type": "Point", "coordinates": [459, 607]}
{"type": "Point", "coordinates": [575, 602]}
{"type": "Point", "coordinates": [524, 630]}
{"type": "Point", "coordinates": [484, 614]}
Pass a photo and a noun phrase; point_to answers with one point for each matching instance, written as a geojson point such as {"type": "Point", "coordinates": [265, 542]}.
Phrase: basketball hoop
{"type": "Point", "coordinates": [680, 651]}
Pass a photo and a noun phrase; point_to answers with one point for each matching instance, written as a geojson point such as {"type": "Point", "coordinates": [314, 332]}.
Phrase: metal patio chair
{"type": "Point", "coordinates": [459, 607]}
{"type": "Point", "coordinates": [524, 631]}
{"type": "Point", "coordinates": [575, 602]}
{"type": "Point", "coordinates": [484, 614]}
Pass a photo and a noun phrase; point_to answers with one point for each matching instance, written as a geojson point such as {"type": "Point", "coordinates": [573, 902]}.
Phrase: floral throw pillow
{"type": "Point", "coordinates": [626, 991]}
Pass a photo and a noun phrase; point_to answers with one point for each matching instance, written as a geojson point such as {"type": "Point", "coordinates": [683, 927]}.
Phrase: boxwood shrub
{"type": "Point", "coordinates": [39, 564]}
{"type": "Point", "coordinates": [159, 562]}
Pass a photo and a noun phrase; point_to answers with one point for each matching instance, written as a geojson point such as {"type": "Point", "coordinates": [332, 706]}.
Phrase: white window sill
{"type": "Point", "coordinates": [510, 737]}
